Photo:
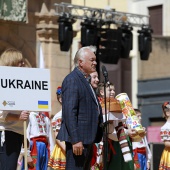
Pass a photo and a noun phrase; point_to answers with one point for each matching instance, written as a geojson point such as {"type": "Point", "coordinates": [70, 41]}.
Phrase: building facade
{"type": "Point", "coordinates": [152, 77]}
{"type": "Point", "coordinates": [37, 39]}
{"type": "Point", "coordinates": [146, 82]}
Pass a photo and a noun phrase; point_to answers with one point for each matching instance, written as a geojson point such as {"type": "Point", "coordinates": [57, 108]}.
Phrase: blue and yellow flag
{"type": "Point", "coordinates": [43, 104]}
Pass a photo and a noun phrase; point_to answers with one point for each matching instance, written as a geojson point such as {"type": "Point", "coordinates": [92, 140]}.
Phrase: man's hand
{"type": "Point", "coordinates": [78, 148]}
{"type": "Point", "coordinates": [24, 115]}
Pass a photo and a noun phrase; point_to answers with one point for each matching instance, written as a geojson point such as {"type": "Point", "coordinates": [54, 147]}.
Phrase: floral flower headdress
{"type": "Point", "coordinates": [58, 92]}
{"type": "Point", "coordinates": [166, 105]}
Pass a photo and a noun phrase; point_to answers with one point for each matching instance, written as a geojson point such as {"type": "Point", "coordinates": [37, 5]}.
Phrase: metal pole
{"type": "Point", "coordinates": [25, 145]}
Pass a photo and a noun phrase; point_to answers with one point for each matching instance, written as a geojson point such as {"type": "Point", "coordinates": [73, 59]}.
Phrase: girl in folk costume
{"type": "Point", "coordinates": [120, 156]}
{"type": "Point", "coordinates": [165, 136]}
{"type": "Point", "coordinates": [57, 159]}
{"type": "Point", "coordinates": [40, 139]}
{"type": "Point", "coordinates": [96, 162]}
{"type": "Point", "coordinates": [142, 153]}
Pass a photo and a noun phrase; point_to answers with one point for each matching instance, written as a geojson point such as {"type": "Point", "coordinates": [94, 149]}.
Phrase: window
{"type": "Point", "coordinates": [155, 19]}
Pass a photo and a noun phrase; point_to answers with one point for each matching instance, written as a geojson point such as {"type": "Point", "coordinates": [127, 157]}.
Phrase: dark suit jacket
{"type": "Point", "coordinates": [80, 113]}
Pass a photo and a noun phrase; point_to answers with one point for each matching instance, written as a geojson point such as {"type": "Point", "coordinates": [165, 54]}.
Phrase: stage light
{"type": "Point", "coordinates": [65, 33]}
{"type": "Point", "coordinates": [89, 33]}
{"type": "Point", "coordinates": [127, 40]}
{"type": "Point", "coordinates": [110, 45]}
{"type": "Point", "coordinates": [145, 42]}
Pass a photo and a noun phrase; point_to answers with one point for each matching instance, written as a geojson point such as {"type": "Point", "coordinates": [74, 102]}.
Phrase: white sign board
{"type": "Point", "coordinates": [25, 89]}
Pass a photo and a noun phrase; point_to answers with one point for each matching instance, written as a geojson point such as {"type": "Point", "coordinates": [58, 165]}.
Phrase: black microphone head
{"type": "Point", "coordinates": [104, 71]}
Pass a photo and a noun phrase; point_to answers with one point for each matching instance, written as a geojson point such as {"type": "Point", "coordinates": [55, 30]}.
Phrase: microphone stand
{"type": "Point", "coordinates": [105, 130]}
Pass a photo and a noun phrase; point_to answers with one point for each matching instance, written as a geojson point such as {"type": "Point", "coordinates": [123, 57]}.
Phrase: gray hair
{"type": "Point", "coordinates": [80, 53]}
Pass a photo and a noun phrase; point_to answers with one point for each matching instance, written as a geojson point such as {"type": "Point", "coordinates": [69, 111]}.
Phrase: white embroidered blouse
{"type": "Point", "coordinates": [165, 131]}
{"type": "Point", "coordinates": [56, 121]}
{"type": "Point", "coordinates": [39, 125]}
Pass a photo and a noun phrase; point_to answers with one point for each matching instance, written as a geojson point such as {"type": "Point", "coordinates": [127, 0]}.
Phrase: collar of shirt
{"type": "Point", "coordinates": [86, 76]}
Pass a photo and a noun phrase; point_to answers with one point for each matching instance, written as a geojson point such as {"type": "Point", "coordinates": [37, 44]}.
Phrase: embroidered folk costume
{"type": "Point", "coordinates": [57, 159]}
{"type": "Point", "coordinates": [165, 137]}
{"type": "Point", "coordinates": [40, 138]}
{"type": "Point", "coordinates": [142, 153]}
{"type": "Point", "coordinates": [120, 156]}
{"type": "Point", "coordinates": [119, 144]}
{"type": "Point", "coordinates": [165, 158]}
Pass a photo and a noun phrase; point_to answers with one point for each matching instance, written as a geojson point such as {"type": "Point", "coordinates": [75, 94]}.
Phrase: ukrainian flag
{"type": "Point", "coordinates": [43, 104]}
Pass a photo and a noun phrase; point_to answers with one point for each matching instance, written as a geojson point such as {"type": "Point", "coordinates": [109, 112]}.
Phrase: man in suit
{"type": "Point", "coordinates": [81, 112]}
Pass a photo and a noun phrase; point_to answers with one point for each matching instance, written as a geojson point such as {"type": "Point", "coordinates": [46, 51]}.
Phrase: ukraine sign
{"type": "Point", "coordinates": [25, 89]}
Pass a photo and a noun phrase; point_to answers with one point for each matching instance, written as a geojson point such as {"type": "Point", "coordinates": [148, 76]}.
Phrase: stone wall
{"type": "Point", "coordinates": [159, 61]}
{"type": "Point", "coordinates": [41, 28]}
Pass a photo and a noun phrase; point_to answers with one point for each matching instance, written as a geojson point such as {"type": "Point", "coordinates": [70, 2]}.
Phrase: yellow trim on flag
{"type": "Point", "coordinates": [43, 106]}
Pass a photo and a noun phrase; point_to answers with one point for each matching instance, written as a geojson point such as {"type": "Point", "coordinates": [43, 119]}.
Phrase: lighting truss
{"type": "Point", "coordinates": [102, 16]}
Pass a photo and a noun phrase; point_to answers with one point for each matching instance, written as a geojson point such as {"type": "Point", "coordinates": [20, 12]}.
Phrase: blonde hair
{"type": "Point", "coordinates": [11, 57]}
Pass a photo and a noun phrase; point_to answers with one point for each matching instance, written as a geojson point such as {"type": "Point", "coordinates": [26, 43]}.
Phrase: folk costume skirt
{"type": "Point", "coordinates": [140, 159]}
{"type": "Point", "coordinates": [40, 160]}
{"type": "Point", "coordinates": [117, 161]}
{"type": "Point", "coordinates": [57, 159]}
{"type": "Point", "coordinates": [165, 159]}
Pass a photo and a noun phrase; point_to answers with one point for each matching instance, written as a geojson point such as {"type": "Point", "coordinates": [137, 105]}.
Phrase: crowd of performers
{"type": "Point", "coordinates": [126, 138]}
{"type": "Point", "coordinates": [125, 151]}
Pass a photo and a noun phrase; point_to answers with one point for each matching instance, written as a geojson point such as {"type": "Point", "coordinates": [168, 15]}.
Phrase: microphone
{"type": "Point", "coordinates": [105, 74]}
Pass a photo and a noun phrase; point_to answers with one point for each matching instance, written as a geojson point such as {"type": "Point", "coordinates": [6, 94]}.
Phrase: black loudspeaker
{"type": "Point", "coordinates": [127, 41]}
{"type": "Point", "coordinates": [89, 33]}
{"type": "Point", "coordinates": [156, 150]}
{"type": "Point", "coordinates": [109, 45]}
{"type": "Point", "coordinates": [145, 43]}
{"type": "Point", "coordinates": [65, 33]}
